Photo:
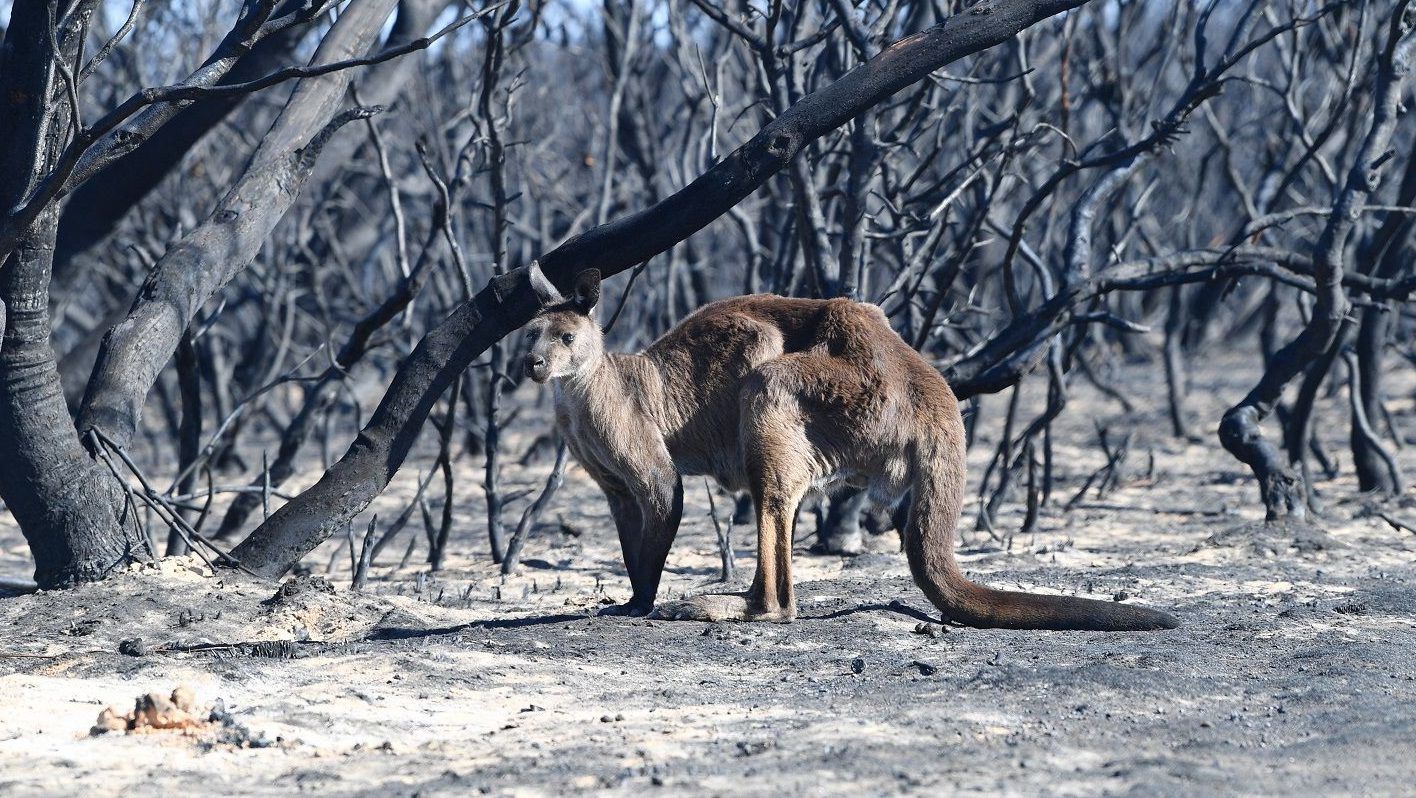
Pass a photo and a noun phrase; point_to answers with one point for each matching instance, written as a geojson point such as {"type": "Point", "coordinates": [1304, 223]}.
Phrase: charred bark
{"type": "Point", "coordinates": [70, 510]}
{"type": "Point", "coordinates": [1388, 256]}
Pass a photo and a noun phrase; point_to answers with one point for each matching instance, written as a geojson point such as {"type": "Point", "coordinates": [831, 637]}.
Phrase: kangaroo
{"type": "Point", "coordinates": [775, 396]}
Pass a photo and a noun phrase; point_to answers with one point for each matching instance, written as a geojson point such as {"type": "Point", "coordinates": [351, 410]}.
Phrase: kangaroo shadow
{"type": "Point", "coordinates": [404, 633]}
{"type": "Point", "coordinates": [894, 606]}
{"type": "Point", "coordinates": [393, 633]}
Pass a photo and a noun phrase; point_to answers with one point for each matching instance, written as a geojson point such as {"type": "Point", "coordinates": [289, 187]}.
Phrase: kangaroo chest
{"type": "Point", "coordinates": [614, 439]}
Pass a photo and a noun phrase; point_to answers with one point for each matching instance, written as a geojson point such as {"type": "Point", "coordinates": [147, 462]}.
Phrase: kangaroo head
{"type": "Point", "coordinates": [565, 339]}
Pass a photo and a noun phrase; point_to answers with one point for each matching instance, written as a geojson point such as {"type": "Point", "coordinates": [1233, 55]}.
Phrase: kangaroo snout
{"type": "Point", "coordinates": [537, 368]}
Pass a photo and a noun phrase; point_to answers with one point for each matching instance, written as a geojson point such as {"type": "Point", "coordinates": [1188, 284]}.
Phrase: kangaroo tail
{"type": "Point", "coordinates": [929, 544]}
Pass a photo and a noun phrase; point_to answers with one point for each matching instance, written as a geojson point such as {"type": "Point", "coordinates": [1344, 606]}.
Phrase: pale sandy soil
{"type": "Point", "coordinates": [1293, 672]}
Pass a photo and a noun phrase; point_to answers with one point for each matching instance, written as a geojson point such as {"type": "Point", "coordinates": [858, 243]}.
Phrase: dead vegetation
{"type": "Point", "coordinates": [1165, 251]}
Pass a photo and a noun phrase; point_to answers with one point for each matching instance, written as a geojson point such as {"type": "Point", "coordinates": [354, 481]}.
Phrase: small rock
{"type": "Point", "coordinates": [109, 720]}
{"type": "Point", "coordinates": [1121, 595]}
{"type": "Point", "coordinates": [858, 665]}
{"type": "Point", "coordinates": [751, 747]}
{"type": "Point", "coordinates": [297, 586]}
{"type": "Point", "coordinates": [157, 711]}
{"type": "Point", "coordinates": [185, 698]}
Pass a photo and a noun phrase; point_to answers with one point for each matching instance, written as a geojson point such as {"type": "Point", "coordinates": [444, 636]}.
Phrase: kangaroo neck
{"type": "Point", "coordinates": [613, 383]}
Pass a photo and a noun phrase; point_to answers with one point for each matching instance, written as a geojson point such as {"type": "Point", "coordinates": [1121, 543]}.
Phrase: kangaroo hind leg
{"type": "Point", "coordinates": [777, 460]}
{"type": "Point", "coordinates": [779, 483]}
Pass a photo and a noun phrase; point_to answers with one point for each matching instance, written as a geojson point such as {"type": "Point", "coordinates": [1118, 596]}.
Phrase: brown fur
{"type": "Point", "coordinates": [778, 396]}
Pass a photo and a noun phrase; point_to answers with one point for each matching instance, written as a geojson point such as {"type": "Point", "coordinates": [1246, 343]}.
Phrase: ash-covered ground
{"type": "Point", "coordinates": [1293, 671]}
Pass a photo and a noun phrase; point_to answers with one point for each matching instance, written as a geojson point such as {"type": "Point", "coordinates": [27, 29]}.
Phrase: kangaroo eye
{"type": "Point", "coordinates": [568, 338]}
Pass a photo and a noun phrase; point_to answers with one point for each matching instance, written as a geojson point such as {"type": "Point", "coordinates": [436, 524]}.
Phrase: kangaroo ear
{"type": "Point", "coordinates": [587, 291]}
{"type": "Point", "coordinates": [546, 293]}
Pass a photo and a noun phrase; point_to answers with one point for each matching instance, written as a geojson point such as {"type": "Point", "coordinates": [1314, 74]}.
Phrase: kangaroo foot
{"type": "Point", "coordinates": [716, 607]}
{"type": "Point", "coordinates": [630, 609]}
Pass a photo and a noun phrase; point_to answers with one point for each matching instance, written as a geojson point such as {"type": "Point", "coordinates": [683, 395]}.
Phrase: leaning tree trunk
{"type": "Point", "coordinates": [195, 268]}
{"type": "Point", "coordinates": [69, 508]}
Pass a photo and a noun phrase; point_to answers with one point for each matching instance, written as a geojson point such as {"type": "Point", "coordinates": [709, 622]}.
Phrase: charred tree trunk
{"type": "Point", "coordinates": [189, 433]}
{"type": "Point", "coordinates": [1283, 491]}
{"type": "Point", "coordinates": [321, 395]}
{"type": "Point", "coordinates": [96, 207]}
{"type": "Point", "coordinates": [841, 531]}
{"type": "Point", "coordinates": [1388, 256]}
{"type": "Point", "coordinates": [1369, 457]}
{"type": "Point", "coordinates": [69, 508]}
